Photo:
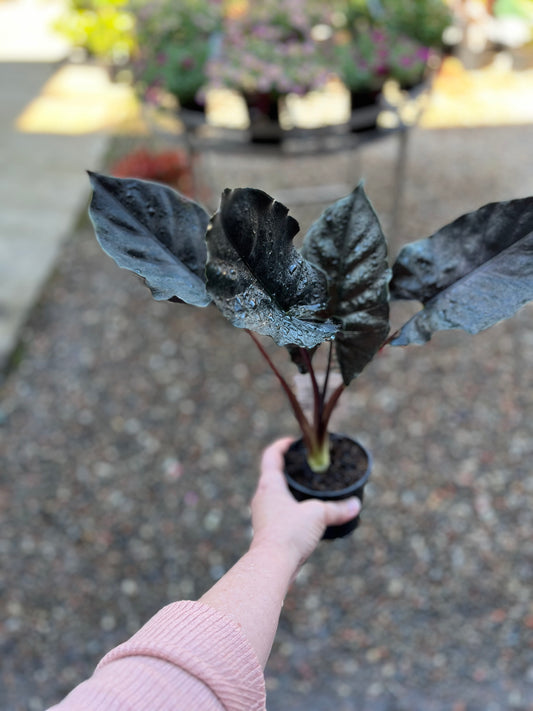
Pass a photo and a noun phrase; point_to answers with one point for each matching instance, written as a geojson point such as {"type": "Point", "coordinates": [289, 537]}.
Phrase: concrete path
{"type": "Point", "coordinates": [42, 181]}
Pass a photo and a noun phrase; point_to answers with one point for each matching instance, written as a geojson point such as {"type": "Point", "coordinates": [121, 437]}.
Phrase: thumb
{"type": "Point", "coordinates": [339, 512]}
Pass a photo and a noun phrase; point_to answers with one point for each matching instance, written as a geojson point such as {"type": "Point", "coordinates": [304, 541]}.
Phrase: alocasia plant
{"type": "Point", "coordinates": [470, 274]}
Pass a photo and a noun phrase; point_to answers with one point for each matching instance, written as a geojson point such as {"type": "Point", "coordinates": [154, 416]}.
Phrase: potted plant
{"type": "Point", "coordinates": [266, 51]}
{"type": "Point", "coordinates": [362, 64]}
{"type": "Point", "coordinates": [382, 40]}
{"type": "Point", "coordinates": [335, 290]}
{"type": "Point", "coordinates": [174, 44]}
{"type": "Point", "coordinates": [408, 61]}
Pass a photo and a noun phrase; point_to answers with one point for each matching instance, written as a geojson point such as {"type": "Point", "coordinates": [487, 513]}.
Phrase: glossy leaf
{"type": "Point", "coordinates": [474, 272]}
{"type": "Point", "coordinates": [255, 275]}
{"type": "Point", "coordinates": [347, 243]}
{"type": "Point", "coordinates": [155, 232]}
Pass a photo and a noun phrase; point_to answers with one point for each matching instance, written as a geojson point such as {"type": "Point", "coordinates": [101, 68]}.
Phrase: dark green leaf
{"type": "Point", "coordinates": [347, 243]}
{"type": "Point", "coordinates": [472, 273]}
{"type": "Point", "coordinates": [155, 232]}
{"type": "Point", "coordinates": [255, 275]}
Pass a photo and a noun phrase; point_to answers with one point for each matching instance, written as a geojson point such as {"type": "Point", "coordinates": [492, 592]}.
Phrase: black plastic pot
{"type": "Point", "coordinates": [301, 491]}
{"type": "Point", "coordinates": [365, 108]}
{"type": "Point", "coordinates": [263, 111]}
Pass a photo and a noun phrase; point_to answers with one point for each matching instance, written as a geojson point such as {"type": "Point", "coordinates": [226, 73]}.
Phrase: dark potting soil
{"type": "Point", "coordinates": [348, 464]}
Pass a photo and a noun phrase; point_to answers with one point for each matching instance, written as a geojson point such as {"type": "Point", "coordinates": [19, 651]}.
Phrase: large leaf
{"type": "Point", "coordinates": [256, 276]}
{"type": "Point", "coordinates": [155, 232]}
{"type": "Point", "coordinates": [474, 272]}
{"type": "Point", "coordinates": [347, 243]}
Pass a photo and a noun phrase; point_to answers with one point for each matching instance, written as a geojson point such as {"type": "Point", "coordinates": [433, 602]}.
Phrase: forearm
{"type": "Point", "coordinates": [253, 591]}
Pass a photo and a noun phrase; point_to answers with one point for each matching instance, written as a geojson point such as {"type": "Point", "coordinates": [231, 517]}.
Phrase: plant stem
{"type": "Point", "coordinates": [317, 400]}
{"type": "Point", "coordinates": [305, 426]}
{"type": "Point", "coordinates": [328, 409]}
{"type": "Point", "coordinates": [326, 379]}
{"type": "Point", "coordinates": [315, 436]}
{"type": "Point", "coordinates": [390, 338]}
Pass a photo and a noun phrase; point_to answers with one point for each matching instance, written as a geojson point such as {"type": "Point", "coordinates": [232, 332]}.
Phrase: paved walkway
{"type": "Point", "coordinates": [42, 181]}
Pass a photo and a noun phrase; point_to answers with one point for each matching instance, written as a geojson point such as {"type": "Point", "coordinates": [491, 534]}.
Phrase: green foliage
{"type": "Point", "coordinates": [522, 9]}
{"type": "Point", "coordinates": [377, 40]}
{"type": "Point", "coordinates": [104, 28]}
{"type": "Point", "coordinates": [407, 60]}
{"type": "Point", "coordinates": [368, 58]}
{"type": "Point", "coordinates": [421, 20]}
{"type": "Point", "coordinates": [269, 48]}
{"type": "Point", "coordinates": [361, 62]}
{"type": "Point", "coordinates": [180, 47]}
{"type": "Point", "coordinates": [174, 42]}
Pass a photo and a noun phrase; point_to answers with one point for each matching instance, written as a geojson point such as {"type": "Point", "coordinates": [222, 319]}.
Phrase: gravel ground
{"type": "Point", "coordinates": [130, 433]}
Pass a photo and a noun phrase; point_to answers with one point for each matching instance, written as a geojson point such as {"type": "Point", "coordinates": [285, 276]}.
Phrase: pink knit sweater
{"type": "Point", "coordinates": [188, 657]}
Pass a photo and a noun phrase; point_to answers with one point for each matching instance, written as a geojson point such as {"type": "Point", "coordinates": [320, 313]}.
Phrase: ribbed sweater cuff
{"type": "Point", "coordinates": [206, 644]}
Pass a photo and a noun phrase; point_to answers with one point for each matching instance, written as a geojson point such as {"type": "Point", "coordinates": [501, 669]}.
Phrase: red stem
{"type": "Point", "coordinates": [328, 410]}
{"type": "Point", "coordinates": [317, 400]}
{"type": "Point", "coordinates": [326, 379]}
{"type": "Point", "coordinates": [305, 426]}
{"type": "Point", "coordinates": [389, 339]}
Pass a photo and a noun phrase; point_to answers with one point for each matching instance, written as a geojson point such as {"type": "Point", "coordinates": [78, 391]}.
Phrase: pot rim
{"type": "Point", "coordinates": [336, 493]}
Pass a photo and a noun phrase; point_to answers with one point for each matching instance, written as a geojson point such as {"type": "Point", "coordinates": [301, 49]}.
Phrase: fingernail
{"type": "Point", "coordinates": [354, 506]}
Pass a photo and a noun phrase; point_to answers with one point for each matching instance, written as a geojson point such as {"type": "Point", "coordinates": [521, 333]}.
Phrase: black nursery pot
{"type": "Point", "coordinates": [351, 465]}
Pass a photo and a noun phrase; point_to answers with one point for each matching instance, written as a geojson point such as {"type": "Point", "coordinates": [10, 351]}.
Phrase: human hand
{"type": "Point", "coordinates": [279, 520]}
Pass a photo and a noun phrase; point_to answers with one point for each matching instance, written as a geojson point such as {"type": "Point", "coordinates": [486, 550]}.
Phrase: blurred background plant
{"type": "Point", "coordinates": [408, 61]}
{"type": "Point", "coordinates": [171, 167]}
{"type": "Point", "coordinates": [102, 29]}
{"type": "Point", "coordinates": [272, 48]}
{"type": "Point", "coordinates": [378, 40]}
{"type": "Point", "coordinates": [362, 61]}
{"type": "Point", "coordinates": [517, 8]}
{"type": "Point", "coordinates": [174, 41]}
{"type": "Point", "coordinates": [423, 21]}
{"type": "Point", "coordinates": [178, 48]}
